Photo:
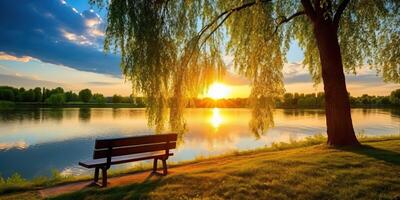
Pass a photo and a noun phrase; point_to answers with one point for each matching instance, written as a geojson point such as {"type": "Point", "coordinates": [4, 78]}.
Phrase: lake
{"type": "Point", "coordinates": [35, 142]}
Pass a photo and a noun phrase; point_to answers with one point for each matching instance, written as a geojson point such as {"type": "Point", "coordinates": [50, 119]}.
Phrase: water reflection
{"type": "Point", "coordinates": [84, 114]}
{"type": "Point", "coordinates": [32, 142]}
{"type": "Point", "coordinates": [216, 118]}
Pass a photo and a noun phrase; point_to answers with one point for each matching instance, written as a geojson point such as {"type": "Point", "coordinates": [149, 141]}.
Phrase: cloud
{"type": "Point", "coordinates": [297, 73]}
{"type": "Point", "coordinates": [16, 144]}
{"type": "Point", "coordinates": [54, 32]}
{"type": "Point", "coordinates": [301, 78]}
{"type": "Point", "coordinates": [18, 80]}
{"type": "Point", "coordinates": [293, 69]}
{"type": "Point", "coordinates": [4, 56]}
{"type": "Point", "coordinates": [100, 83]}
{"type": "Point", "coordinates": [231, 78]}
{"type": "Point", "coordinates": [366, 81]}
{"type": "Point", "coordinates": [298, 79]}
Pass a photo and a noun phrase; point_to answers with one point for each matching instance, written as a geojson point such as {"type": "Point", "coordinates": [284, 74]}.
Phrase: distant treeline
{"type": "Point", "coordinates": [300, 100]}
{"type": "Point", "coordinates": [58, 96]}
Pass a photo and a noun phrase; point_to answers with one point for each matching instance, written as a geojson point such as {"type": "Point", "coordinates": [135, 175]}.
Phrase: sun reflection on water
{"type": "Point", "coordinates": [216, 119]}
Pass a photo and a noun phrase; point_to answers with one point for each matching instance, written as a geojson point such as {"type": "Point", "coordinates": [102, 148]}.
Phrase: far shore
{"type": "Point", "coordinates": [28, 105]}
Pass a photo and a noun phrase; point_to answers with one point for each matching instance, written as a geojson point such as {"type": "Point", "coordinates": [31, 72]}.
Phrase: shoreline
{"type": "Point", "coordinates": [6, 105]}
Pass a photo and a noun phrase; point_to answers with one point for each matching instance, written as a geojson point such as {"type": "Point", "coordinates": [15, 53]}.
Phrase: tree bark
{"type": "Point", "coordinates": [337, 105]}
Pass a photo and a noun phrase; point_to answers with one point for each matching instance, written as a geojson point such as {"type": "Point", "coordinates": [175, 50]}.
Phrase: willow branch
{"type": "Point", "coordinates": [230, 11]}
{"type": "Point", "coordinates": [224, 15]}
{"type": "Point", "coordinates": [287, 19]}
{"type": "Point", "coordinates": [339, 12]}
{"type": "Point", "coordinates": [212, 32]}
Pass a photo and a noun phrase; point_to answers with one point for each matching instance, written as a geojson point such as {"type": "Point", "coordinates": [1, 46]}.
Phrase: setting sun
{"type": "Point", "coordinates": [218, 91]}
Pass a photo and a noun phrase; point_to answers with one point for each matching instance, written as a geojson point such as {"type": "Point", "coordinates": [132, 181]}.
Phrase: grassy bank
{"type": "Point", "coordinates": [17, 183]}
{"type": "Point", "coordinates": [303, 170]}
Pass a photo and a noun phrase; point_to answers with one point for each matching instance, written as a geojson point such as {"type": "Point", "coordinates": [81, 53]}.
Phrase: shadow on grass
{"type": "Point", "coordinates": [132, 191]}
{"type": "Point", "coordinates": [388, 156]}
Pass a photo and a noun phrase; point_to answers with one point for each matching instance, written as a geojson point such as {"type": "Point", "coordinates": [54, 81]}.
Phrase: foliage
{"type": "Point", "coordinates": [38, 94]}
{"type": "Point", "coordinates": [117, 99]}
{"type": "Point", "coordinates": [120, 99]}
{"type": "Point", "coordinates": [301, 100]}
{"type": "Point", "coordinates": [15, 179]}
{"type": "Point", "coordinates": [139, 102]}
{"type": "Point", "coordinates": [98, 98]}
{"type": "Point", "coordinates": [57, 90]}
{"type": "Point", "coordinates": [85, 95]}
{"type": "Point", "coordinates": [56, 99]}
{"type": "Point", "coordinates": [7, 94]}
{"type": "Point", "coordinates": [395, 97]}
{"type": "Point", "coordinates": [294, 100]}
{"type": "Point", "coordinates": [71, 96]}
{"type": "Point", "coordinates": [172, 50]}
{"type": "Point", "coordinates": [16, 182]}
{"type": "Point", "coordinates": [28, 96]}
{"type": "Point", "coordinates": [288, 100]}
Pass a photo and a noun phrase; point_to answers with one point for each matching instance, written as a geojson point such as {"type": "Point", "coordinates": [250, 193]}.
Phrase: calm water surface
{"type": "Point", "coordinates": [34, 142]}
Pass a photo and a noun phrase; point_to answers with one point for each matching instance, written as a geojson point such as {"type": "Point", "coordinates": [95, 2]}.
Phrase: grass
{"type": "Point", "coordinates": [16, 183]}
{"type": "Point", "coordinates": [296, 170]}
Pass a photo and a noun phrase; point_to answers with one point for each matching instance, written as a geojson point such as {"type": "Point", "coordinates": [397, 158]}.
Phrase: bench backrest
{"type": "Point", "coordinates": [106, 148]}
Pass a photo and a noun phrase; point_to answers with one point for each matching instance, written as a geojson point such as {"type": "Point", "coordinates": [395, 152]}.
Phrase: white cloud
{"type": "Point", "coordinates": [78, 39]}
{"type": "Point", "coordinates": [5, 56]}
{"type": "Point", "coordinates": [293, 69]}
{"type": "Point", "coordinates": [75, 10]}
{"type": "Point", "coordinates": [16, 144]}
{"type": "Point", "coordinates": [92, 22]}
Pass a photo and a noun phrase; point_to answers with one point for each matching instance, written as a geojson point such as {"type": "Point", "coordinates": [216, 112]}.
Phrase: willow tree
{"type": "Point", "coordinates": [172, 49]}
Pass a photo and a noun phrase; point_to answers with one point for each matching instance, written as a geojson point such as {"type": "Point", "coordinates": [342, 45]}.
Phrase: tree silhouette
{"type": "Point", "coordinates": [85, 95]}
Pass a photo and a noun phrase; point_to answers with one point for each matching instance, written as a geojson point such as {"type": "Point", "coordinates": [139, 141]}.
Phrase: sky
{"type": "Point", "coordinates": [57, 43]}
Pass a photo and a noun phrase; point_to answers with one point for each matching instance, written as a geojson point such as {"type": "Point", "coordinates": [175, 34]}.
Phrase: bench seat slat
{"type": "Point", "coordinates": [136, 140]}
{"type": "Point", "coordinates": [133, 150]}
{"type": "Point", "coordinates": [123, 159]}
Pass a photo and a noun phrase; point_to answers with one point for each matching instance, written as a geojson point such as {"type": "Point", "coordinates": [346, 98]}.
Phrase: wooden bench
{"type": "Point", "coordinates": [109, 152]}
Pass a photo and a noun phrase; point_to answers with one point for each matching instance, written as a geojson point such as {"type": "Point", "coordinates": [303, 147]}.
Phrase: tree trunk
{"type": "Point", "coordinates": [337, 105]}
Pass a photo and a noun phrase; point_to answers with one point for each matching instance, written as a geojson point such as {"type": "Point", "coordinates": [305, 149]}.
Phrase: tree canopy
{"type": "Point", "coordinates": [172, 50]}
{"type": "Point", "coordinates": [85, 95]}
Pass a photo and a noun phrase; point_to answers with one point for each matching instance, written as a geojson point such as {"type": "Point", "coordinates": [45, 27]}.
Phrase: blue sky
{"type": "Point", "coordinates": [60, 43]}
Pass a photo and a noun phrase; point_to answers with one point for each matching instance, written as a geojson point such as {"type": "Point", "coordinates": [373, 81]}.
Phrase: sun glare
{"type": "Point", "coordinates": [218, 91]}
{"type": "Point", "coordinates": [216, 118]}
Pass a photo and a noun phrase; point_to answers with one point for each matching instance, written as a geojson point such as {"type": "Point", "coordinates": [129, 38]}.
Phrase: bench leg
{"type": "Point", "coordinates": [104, 171]}
{"type": "Point", "coordinates": [164, 162]}
{"type": "Point", "coordinates": [96, 174]}
{"type": "Point", "coordinates": [155, 165]}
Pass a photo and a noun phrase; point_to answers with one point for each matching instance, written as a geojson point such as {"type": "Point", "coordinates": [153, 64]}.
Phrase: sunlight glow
{"type": "Point", "coordinates": [216, 118]}
{"type": "Point", "coordinates": [218, 91]}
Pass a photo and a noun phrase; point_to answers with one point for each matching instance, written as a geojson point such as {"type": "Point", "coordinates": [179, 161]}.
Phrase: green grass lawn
{"type": "Point", "coordinates": [314, 172]}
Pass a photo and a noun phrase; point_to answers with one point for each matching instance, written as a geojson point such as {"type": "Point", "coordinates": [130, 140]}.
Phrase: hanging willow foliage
{"type": "Point", "coordinates": [172, 50]}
